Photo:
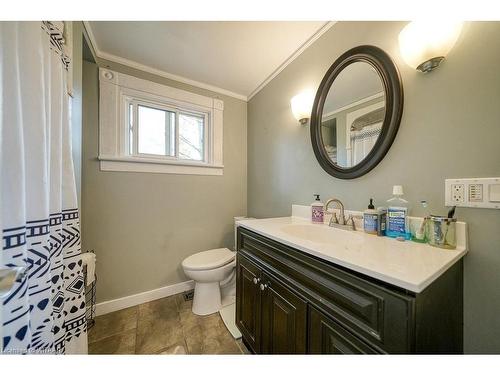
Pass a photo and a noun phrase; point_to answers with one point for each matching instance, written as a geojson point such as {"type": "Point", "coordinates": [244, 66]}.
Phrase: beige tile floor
{"type": "Point", "coordinates": [164, 326]}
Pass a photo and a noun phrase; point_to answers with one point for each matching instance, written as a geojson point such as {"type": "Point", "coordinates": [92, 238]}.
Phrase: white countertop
{"type": "Point", "coordinates": [409, 265]}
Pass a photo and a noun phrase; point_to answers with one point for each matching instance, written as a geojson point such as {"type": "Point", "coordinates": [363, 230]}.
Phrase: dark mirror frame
{"type": "Point", "coordinates": [393, 88]}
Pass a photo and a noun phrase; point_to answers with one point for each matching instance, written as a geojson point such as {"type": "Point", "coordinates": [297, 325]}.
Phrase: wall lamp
{"type": "Point", "coordinates": [425, 44]}
{"type": "Point", "coordinates": [302, 105]}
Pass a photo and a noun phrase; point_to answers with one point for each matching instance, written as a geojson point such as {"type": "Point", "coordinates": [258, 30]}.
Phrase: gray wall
{"type": "Point", "coordinates": [450, 128]}
{"type": "Point", "coordinates": [142, 225]}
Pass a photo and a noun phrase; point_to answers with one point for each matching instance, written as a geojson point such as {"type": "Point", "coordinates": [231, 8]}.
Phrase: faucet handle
{"type": "Point", "coordinates": [333, 218]}
{"type": "Point", "coordinates": [333, 214]}
{"type": "Point", "coordinates": [351, 218]}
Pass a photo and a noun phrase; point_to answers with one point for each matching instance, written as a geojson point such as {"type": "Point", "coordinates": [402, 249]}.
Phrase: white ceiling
{"type": "Point", "coordinates": [235, 58]}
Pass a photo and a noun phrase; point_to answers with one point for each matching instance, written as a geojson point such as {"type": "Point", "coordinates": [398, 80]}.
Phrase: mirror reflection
{"type": "Point", "coordinates": [353, 114]}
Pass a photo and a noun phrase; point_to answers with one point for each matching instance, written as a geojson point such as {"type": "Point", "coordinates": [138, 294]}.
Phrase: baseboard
{"type": "Point", "coordinates": [136, 299]}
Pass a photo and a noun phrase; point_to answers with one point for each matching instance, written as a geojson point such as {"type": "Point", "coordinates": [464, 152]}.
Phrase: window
{"type": "Point", "coordinates": [147, 127]}
{"type": "Point", "coordinates": [155, 131]}
{"type": "Point", "coordinates": [166, 132]}
{"type": "Point", "coordinates": [191, 135]}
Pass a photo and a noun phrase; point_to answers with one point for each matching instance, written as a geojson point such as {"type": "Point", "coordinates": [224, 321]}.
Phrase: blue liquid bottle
{"type": "Point", "coordinates": [398, 225]}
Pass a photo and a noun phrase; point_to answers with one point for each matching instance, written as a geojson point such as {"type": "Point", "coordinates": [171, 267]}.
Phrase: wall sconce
{"type": "Point", "coordinates": [302, 105]}
{"type": "Point", "coordinates": [424, 44]}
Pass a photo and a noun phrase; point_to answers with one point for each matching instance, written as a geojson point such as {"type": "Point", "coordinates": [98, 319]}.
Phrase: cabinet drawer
{"type": "Point", "coordinates": [328, 337]}
{"type": "Point", "coordinates": [375, 312]}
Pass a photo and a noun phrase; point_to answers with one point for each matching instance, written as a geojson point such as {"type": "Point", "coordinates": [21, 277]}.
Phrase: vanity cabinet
{"type": "Point", "coordinates": [288, 301]}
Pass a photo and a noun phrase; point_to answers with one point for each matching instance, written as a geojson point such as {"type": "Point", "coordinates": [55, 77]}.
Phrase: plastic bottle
{"type": "Point", "coordinates": [317, 210]}
{"type": "Point", "coordinates": [370, 219]}
{"type": "Point", "coordinates": [397, 215]}
{"type": "Point", "coordinates": [382, 221]}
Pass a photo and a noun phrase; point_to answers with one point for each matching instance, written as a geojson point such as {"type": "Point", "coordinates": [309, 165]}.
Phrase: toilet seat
{"type": "Point", "coordinates": [208, 260]}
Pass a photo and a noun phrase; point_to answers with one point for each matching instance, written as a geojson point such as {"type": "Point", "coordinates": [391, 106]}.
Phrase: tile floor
{"type": "Point", "coordinates": [164, 326]}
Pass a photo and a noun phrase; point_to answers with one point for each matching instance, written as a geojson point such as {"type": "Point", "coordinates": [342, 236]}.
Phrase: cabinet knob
{"type": "Point", "coordinates": [262, 287]}
{"type": "Point", "coordinates": [255, 280]}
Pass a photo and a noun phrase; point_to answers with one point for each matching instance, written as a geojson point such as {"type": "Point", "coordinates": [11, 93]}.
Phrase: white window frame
{"type": "Point", "coordinates": [118, 90]}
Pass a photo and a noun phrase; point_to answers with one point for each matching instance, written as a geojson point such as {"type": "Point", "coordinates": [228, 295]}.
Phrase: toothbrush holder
{"type": "Point", "coordinates": [441, 232]}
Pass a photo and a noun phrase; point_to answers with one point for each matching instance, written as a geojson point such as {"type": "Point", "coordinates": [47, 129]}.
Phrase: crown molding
{"type": "Point", "coordinates": [174, 77]}
{"type": "Point", "coordinates": [327, 116]}
{"type": "Point", "coordinates": [202, 85]}
{"type": "Point", "coordinates": [146, 68]}
{"type": "Point", "coordinates": [293, 56]}
{"type": "Point", "coordinates": [91, 37]}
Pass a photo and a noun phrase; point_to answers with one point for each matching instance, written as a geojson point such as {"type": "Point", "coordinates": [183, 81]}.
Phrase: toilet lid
{"type": "Point", "coordinates": [210, 259]}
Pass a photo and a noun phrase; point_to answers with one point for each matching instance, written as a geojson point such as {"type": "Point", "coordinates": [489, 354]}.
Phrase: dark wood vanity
{"type": "Point", "coordinates": [288, 301]}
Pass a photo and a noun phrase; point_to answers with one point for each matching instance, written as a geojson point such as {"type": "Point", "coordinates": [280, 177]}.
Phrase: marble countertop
{"type": "Point", "coordinates": [409, 265]}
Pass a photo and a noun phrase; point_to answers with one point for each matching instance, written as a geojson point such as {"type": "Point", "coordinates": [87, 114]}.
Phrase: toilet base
{"type": "Point", "coordinates": [207, 299]}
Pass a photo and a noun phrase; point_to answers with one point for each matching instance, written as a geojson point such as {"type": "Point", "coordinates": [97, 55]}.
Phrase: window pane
{"type": "Point", "coordinates": [156, 131]}
{"type": "Point", "coordinates": [191, 137]}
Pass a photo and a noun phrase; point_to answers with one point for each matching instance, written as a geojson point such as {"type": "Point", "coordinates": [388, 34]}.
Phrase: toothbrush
{"type": "Point", "coordinates": [420, 233]}
{"type": "Point", "coordinates": [451, 213]}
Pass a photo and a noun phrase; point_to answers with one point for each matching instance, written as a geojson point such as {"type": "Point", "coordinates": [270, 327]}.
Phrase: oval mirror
{"type": "Point", "coordinates": [356, 112]}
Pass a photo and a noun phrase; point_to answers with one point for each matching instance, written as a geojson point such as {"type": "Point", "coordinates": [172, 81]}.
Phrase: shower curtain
{"type": "Point", "coordinates": [362, 141]}
{"type": "Point", "coordinates": [45, 313]}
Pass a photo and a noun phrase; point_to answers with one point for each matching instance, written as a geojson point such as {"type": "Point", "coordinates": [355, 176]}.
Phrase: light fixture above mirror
{"type": "Point", "coordinates": [425, 44]}
{"type": "Point", "coordinates": [301, 106]}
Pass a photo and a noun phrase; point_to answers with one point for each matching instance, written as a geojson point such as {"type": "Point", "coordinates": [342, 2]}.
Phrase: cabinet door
{"type": "Point", "coordinates": [284, 319]}
{"type": "Point", "coordinates": [248, 297]}
{"type": "Point", "coordinates": [328, 337]}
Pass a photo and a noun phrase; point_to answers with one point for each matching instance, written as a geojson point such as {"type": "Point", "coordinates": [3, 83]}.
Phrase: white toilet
{"type": "Point", "coordinates": [210, 270]}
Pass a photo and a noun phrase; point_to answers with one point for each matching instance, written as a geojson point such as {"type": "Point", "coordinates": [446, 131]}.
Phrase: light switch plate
{"type": "Point", "coordinates": [494, 193]}
{"type": "Point", "coordinates": [473, 192]}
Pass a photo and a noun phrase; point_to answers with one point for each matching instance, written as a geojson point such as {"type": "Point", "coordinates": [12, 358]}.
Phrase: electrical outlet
{"type": "Point", "coordinates": [478, 192]}
{"type": "Point", "coordinates": [458, 193]}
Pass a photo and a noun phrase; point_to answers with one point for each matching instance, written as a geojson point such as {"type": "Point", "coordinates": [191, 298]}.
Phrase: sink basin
{"type": "Point", "coordinates": [409, 265]}
{"type": "Point", "coordinates": [322, 234]}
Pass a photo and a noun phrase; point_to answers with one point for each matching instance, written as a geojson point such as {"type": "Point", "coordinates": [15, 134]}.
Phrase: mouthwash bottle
{"type": "Point", "coordinates": [398, 225]}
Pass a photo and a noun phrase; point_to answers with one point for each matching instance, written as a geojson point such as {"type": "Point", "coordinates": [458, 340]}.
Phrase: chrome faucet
{"type": "Point", "coordinates": [341, 221]}
{"type": "Point", "coordinates": [334, 219]}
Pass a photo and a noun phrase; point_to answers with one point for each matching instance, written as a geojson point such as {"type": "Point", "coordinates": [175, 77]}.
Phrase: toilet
{"type": "Point", "coordinates": [211, 270]}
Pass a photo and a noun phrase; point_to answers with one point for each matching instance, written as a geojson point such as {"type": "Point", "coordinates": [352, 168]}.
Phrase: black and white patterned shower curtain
{"type": "Point", "coordinates": [45, 313]}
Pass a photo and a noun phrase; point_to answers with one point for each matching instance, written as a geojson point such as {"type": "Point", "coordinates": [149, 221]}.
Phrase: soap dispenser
{"type": "Point", "coordinates": [317, 208]}
{"type": "Point", "coordinates": [370, 219]}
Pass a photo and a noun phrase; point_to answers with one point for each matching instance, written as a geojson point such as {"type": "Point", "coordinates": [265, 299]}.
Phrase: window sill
{"type": "Point", "coordinates": [151, 165]}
